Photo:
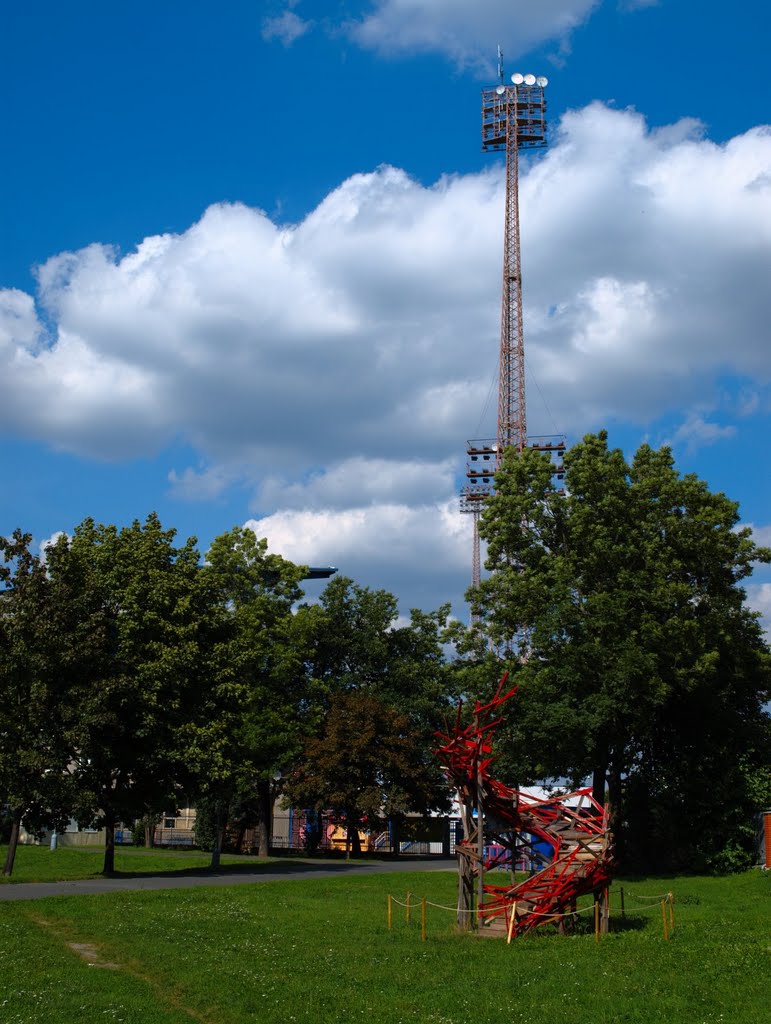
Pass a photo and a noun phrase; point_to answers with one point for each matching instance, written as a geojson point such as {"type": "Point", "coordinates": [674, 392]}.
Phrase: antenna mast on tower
{"type": "Point", "coordinates": [513, 118]}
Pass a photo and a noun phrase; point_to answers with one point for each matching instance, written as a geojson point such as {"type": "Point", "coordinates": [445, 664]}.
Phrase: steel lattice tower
{"type": "Point", "coordinates": [513, 118]}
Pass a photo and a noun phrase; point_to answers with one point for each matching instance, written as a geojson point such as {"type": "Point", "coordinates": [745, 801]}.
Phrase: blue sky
{"type": "Point", "coordinates": [250, 262]}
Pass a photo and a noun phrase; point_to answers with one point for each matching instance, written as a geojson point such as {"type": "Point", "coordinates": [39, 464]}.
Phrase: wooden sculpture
{"type": "Point", "coordinates": [500, 822]}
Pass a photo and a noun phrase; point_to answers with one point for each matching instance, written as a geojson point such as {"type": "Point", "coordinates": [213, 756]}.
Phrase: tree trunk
{"type": "Point", "coordinates": [465, 893]}
{"type": "Point", "coordinates": [264, 824]}
{"type": "Point", "coordinates": [598, 783]}
{"type": "Point", "coordinates": [262, 837]}
{"type": "Point", "coordinates": [240, 838]}
{"type": "Point", "coordinates": [480, 847]}
{"type": "Point", "coordinates": [465, 875]}
{"type": "Point", "coordinates": [614, 796]}
{"type": "Point", "coordinates": [109, 847]}
{"type": "Point", "coordinates": [599, 777]}
{"type": "Point", "coordinates": [355, 840]}
{"type": "Point", "coordinates": [13, 842]}
{"type": "Point", "coordinates": [149, 833]}
{"type": "Point", "coordinates": [217, 845]}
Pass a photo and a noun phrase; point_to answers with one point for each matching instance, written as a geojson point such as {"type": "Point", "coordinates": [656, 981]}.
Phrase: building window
{"type": "Point", "coordinates": [169, 822]}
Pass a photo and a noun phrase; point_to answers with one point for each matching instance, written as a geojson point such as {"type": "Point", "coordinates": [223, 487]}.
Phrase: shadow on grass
{"type": "Point", "coordinates": [280, 867]}
{"type": "Point", "coordinates": [630, 923]}
{"type": "Point", "coordinates": [617, 925]}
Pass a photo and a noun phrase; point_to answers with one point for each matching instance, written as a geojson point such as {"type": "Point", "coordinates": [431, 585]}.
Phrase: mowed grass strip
{"type": "Point", "coordinates": [319, 950]}
{"type": "Point", "coordinates": [43, 979]}
{"type": "Point", "coordinates": [70, 863]}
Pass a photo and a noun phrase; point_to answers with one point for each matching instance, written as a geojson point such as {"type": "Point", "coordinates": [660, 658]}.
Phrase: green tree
{"type": "Point", "coordinates": [369, 762]}
{"type": "Point", "coordinates": [360, 650]}
{"type": "Point", "coordinates": [252, 720]}
{"type": "Point", "coordinates": [145, 619]}
{"type": "Point", "coordinates": [641, 664]}
{"type": "Point", "coordinates": [359, 646]}
{"type": "Point", "coordinates": [354, 646]}
{"type": "Point", "coordinates": [34, 749]}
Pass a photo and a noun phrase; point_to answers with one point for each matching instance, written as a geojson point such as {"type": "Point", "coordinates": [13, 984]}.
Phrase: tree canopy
{"type": "Point", "coordinates": [35, 749]}
{"type": "Point", "coordinates": [253, 714]}
{"type": "Point", "coordinates": [382, 690]}
{"type": "Point", "coordinates": [620, 604]}
{"type": "Point", "coordinates": [144, 612]}
{"type": "Point", "coordinates": [134, 674]}
{"type": "Point", "coordinates": [369, 763]}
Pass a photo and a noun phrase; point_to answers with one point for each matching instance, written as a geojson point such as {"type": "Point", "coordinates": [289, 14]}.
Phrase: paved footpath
{"type": "Point", "coordinates": [240, 876]}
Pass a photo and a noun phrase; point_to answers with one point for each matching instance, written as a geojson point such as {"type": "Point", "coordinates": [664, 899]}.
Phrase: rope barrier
{"type": "Point", "coordinates": [568, 913]}
{"type": "Point", "coordinates": [643, 910]}
{"type": "Point", "coordinates": [541, 913]}
{"type": "Point", "coordinates": [439, 906]}
{"type": "Point", "coordinates": [538, 913]}
{"type": "Point", "coordinates": [665, 901]}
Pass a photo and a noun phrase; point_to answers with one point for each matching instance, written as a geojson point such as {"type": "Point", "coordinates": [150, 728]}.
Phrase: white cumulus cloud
{"type": "Point", "coordinates": [338, 365]}
{"type": "Point", "coordinates": [369, 329]}
{"type": "Point", "coordinates": [380, 546]}
{"type": "Point", "coordinates": [759, 599]}
{"type": "Point", "coordinates": [696, 431]}
{"type": "Point", "coordinates": [761, 535]}
{"type": "Point", "coordinates": [466, 31]}
{"type": "Point", "coordinates": [360, 481]}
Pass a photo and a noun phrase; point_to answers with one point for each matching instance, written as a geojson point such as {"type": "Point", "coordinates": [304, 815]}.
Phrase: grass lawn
{"type": "Point", "coordinates": [319, 951]}
{"type": "Point", "coordinates": [39, 864]}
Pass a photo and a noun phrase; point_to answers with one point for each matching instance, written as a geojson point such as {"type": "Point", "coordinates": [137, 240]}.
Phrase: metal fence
{"type": "Point", "coordinates": [308, 832]}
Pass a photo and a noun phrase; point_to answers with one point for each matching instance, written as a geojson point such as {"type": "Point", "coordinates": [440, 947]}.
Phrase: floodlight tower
{"type": "Point", "coordinates": [513, 118]}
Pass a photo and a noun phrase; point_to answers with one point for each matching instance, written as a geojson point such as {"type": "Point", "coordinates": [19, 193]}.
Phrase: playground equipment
{"type": "Point", "coordinates": [499, 821]}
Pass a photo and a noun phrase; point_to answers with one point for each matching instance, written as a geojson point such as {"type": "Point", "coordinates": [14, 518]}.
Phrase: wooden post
{"type": "Point", "coordinates": [409, 908]}
{"type": "Point", "coordinates": [671, 911]}
{"type": "Point", "coordinates": [389, 912]}
{"type": "Point", "coordinates": [664, 918]}
{"type": "Point", "coordinates": [512, 922]}
{"type": "Point", "coordinates": [423, 919]}
{"type": "Point", "coordinates": [605, 919]}
{"type": "Point", "coordinates": [623, 912]}
{"type": "Point", "coordinates": [596, 919]}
